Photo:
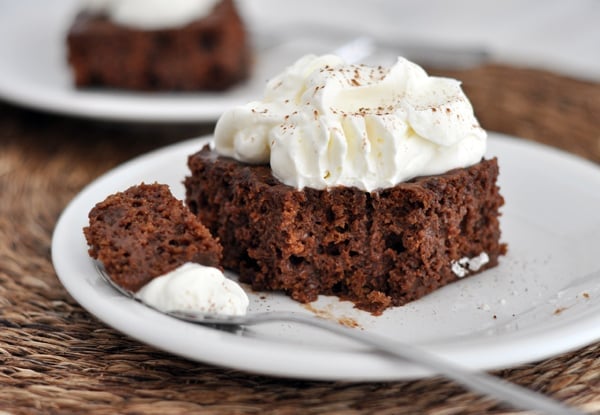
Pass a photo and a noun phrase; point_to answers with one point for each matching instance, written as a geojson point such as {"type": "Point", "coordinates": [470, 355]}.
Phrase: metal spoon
{"type": "Point", "coordinates": [481, 382]}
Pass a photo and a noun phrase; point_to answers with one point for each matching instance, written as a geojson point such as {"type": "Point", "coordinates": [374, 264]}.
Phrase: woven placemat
{"type": "Point", "coordinates": [57, 358]}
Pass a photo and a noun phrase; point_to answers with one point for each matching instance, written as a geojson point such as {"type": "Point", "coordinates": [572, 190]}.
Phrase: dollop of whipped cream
{"type": "Point", "coordinates": [151, 14]}
{"type": "Point", "coordinates": [195, 287]}
{"type": "Point", "coordinates": [324, 123]}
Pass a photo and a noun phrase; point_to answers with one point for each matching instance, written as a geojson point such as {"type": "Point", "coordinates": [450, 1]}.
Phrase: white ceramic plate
{"type": "Point", "coordinates": [34, 72]}
{"type": "Point", "coordinates": [543, 299]}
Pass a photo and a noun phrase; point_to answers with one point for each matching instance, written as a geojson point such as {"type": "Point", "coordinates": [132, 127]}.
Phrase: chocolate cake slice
{"type": "Point", "coordinates": [144, 232]}
{"type": "Point", "coordinates": [211, 53]}
{"type": "Point", "coordinates": [377, 249]}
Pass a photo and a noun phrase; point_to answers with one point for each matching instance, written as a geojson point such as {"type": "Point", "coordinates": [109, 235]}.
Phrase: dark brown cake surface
{"type": "Point", "coordinates": [211, 53]}
{"type": "Point", "coordinates": [145, 232]}
{"type": "Point", "coordinates": [378, 249]}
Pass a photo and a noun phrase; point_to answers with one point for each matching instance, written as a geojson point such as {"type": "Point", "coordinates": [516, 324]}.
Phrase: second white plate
{"type": "Point", "coordinates": [34, 71]}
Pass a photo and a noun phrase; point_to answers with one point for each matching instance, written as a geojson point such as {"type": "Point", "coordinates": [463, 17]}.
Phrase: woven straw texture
{"type": "Point", "coordinates": [57, 358]}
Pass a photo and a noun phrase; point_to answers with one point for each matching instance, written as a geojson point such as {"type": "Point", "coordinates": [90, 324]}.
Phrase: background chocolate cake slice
{"type": "Point", "coordinates": [210, 53]}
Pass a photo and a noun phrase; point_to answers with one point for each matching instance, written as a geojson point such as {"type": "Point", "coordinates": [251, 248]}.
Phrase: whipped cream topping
{"type": "Point", "coordinates": [195, 287]}
{"type": "Point", "coordinates": [466, 265]}
{"type": "Point", "coordinates": [325, 123]}
{"type": "Point", "coordinates": [151, 14]}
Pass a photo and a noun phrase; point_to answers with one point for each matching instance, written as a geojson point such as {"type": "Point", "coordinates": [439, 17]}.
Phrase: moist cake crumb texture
{"type": "Point", "coordinates": [377, 249]}
{"type": "Point", "coordinates": [144, 232]}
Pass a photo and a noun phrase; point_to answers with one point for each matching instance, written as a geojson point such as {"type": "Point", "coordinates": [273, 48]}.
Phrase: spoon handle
{"type": "Point", "coordinates": [481, 382]}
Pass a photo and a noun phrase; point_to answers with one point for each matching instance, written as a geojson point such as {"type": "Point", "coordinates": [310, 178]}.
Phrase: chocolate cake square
{"type": "Point", "coordinates": [377, 249]}
{"type": "Point", "coordinates": [211, 53]}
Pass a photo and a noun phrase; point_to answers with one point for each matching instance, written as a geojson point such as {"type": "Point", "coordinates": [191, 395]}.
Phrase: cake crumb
{"type": "Point", "coordinates": [327, 315]}
{"type": "Point", "coordinates": [348, 322]}
{"type": "Point", "coordinates": [559, 310]}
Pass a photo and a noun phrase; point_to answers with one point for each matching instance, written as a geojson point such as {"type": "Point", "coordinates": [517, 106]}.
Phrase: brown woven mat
{"type": "Point", "coordinates": [57, 358]}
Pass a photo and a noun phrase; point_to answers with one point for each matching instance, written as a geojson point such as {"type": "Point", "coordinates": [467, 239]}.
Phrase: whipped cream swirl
{"type": "Point", "coordinates": [324, 123]}
{"type": "Point", "coordinates": [151, 14]}
{"type": "Point", "coordinates": [195, 287]}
